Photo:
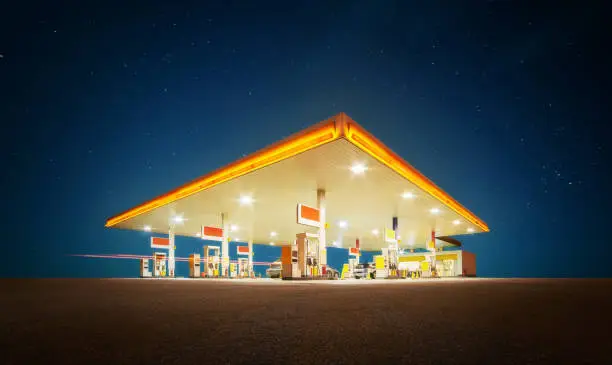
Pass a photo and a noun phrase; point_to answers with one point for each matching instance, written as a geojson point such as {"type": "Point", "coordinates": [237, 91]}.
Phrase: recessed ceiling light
{"type": "Point", "coordinates": [456, 222]}
{"type": "Point", "coordinates": [233, 228]}
{"type": "Point", "coordinates": [375, 232]}
{"type": "Point", "coordinates": [358, 168]}
{"type": "Point", "coordinates": [407, 195]}
{"type": "Point", "coordinates": [342, 224]}
{"type": "Point", "coordinates": [273, 234]}
{"type": "Point", "coordinates": [178, 219]}
{"type": "Point", "coordinates": [147, 228]}
{"type": "Point", "coordinates": [434, 210]}
{"type": "Point", "coordinates": [470, 229]}
{"type": "Point", "coordinates": [399, 237]}
{"type": "Point", "coordinates": [246, 200]}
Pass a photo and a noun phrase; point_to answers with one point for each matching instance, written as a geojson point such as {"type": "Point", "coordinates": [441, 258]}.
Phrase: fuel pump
{"type": "Point", "coordinates": [194, 265]}
{"type": "Point", "coordinates": [159, 264]}
{"type": "Point", "coordinates": [392, 258]}
{"type": "Point", "coordinates": [212, 261]}
{"type": "Point", "coordinates": [243, 267]}
{"type": "Point", "coordinates": [352, 264]}
{"type": "Point", "coordinates": [144, 268]}
{"type": "Point", "coordinates": [308, 254]}
{"type": "Point", "coordinates": [290, 261]}
{"type": "Point", "coordinates": [382, 264]}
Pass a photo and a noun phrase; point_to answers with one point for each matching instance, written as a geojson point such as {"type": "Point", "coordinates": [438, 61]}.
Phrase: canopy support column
{"type": "Point", "coordinates": [250, 257]}
{"type": "Point", "coordinates": [171, 262]}
{"type": "Point", "coordinates": [321, 205]}
{"type": "Point", "coordinates": [225, 246]}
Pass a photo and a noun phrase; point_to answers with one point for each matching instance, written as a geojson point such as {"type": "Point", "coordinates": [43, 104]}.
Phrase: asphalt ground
{"type": "Point", "coordinates": [461, 321]}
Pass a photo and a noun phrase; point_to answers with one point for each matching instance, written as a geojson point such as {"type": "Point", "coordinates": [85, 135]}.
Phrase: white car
{"type": "Point", "coordinates": [275, 270]}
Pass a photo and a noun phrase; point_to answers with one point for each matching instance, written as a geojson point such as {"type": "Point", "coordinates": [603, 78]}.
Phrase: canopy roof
{"type": "Point", "coordinates": [291, 171]}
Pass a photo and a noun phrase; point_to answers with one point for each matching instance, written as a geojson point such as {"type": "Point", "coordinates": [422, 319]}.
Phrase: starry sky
{"type": "Point", "coordinates": [504, 104]}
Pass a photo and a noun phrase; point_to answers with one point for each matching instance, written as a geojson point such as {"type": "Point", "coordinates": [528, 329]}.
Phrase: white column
{"type": "Point", "coordinates": [250, 257]}
{"type": "Point", "coordinates": [171, 252]}
{"type": "Point", "coordinates": [322, 216]}
{"type": "Point", "coordinates": [225, 245]}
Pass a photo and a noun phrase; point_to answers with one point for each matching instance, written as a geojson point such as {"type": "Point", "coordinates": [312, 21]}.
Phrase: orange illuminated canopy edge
{"type": "Point", "coordinates": [339, 126]}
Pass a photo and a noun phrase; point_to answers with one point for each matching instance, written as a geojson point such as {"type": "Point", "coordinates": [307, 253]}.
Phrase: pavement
{"type": "Point", "coordinates": [456, 321]}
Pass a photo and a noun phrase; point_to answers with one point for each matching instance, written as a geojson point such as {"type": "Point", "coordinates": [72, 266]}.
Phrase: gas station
{"type": "Point", "coordinates": [331, 185]}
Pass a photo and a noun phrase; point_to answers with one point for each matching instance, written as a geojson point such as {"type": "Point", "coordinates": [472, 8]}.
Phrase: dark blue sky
{"type": "Point", "coordinates": [503, 104]}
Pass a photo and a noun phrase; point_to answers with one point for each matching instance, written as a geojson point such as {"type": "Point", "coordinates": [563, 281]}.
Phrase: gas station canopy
{"type": "Point", "coordinates": [365, 184]}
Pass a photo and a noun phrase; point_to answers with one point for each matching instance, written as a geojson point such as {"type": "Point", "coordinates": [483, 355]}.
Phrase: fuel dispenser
{"type": "Point", "coordinates": [194, 265]}
{"type": "Point", "coordinates": [352, 264]}
{"type": "Point", "coordinates": [159, 264]}
{"type": "Point", "coordinates": [243, 267]}
{"type": "Point", "coordinates": [289, 260]}
{"type": "Point", "coordinates": [382, 264]}
{"type": "Point", "coordinates": [212, 261]}
{"type": "Point", "coordinates": [144, 268]}
{"type": "Point", "coordinates": [308, 254]}
{"type": "Point", "coordinates": [392, 261]}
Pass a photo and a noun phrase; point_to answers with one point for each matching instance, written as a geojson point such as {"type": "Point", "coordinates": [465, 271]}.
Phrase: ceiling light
{"type": "Point", "coordinates": [246, 200]}
{"type": "Point", "coordinates": [399, 237]}
{"type": "Point", "coordinates": [358, 168]}
{"type": "Point", "coordinates": [236, 239]}
{"type": "Point", "coordinates": [271, 243]}
{"type": "Point", "coordinates": [147, 228]}
{"type": "Point", "coordinates": [178, 219]}
{"type": "Point", "coordinates": [335, 244]}
{"type": "Point", "coordinates": [434, 211]}
{"type": "Point", "coordinates": [233, 228]}
{"type": "Point", "coordinates": [273, 234]}
{"type": "Point", "coordinates": [407, 195]}
{"type": "Point", "coordinates": [470, 229]}
{"type": "Point", "coordinates": [342, 224]}
{"type": "Point", "coordinates": [375, 232]}
{"type": "Point", "coordinates": [456, 222]}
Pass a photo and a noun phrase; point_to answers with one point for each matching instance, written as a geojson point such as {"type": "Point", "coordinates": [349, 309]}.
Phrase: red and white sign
{"type": "Point", "coordinates": [160, 242]}
{"type": "Point", "coordinates": [242, 250]}
{"type": "Point", "coordinates": [354, 251]}
{"type": "Point", "coordinates": [212, 233]}
{"type": "Point", "coordinates": [308, 216]}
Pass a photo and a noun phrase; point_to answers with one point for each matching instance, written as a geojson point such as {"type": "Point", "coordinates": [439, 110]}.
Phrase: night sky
{"type": "Point", "coordinates": [505, 105]}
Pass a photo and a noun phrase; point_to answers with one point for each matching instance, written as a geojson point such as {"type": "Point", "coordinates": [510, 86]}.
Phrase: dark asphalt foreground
{"type": "Point", "coordinates": [472, 321]}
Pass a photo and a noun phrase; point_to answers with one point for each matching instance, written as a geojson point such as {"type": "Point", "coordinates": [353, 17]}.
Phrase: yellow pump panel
{"type": "Point", "coordinates": [380, 262]}
{"type": "Point", "coordinates": [424, 265]}
{"type": "Point", "coordinates": [411, 258]}
{"type": "Point", "coordinates": [345, 269]}
{"type": "Point", "coordinates": [448, 256]}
